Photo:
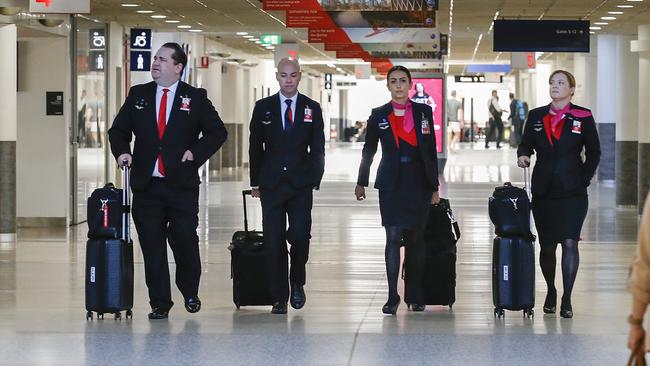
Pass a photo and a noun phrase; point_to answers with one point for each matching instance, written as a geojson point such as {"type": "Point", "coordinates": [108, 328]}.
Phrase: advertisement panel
{"type": "Point", "coordinates": [430, 91]}
{"type": "Point", "coordinates": [377, 5]}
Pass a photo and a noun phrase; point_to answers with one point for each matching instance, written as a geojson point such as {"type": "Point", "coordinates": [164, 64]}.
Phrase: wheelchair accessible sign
{"type": "Point", "coordinates": [140, 49]}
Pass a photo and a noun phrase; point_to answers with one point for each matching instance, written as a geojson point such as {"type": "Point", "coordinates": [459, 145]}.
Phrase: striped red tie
{"type": "Point", "coordinates": [162, 124]}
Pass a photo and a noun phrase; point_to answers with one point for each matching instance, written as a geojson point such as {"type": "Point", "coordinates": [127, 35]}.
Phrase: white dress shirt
{"type": "Point", "coordinates": [283, 107]}
{"type": "Point", "coordinates": [170, 102]}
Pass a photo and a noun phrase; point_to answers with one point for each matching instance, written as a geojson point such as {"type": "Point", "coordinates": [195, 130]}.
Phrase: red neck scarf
{"type": "Point", "coordinates": [408, 114]}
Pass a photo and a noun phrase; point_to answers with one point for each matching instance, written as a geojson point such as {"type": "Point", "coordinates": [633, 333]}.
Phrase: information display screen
{"type": "Point", "coordinates": [541, 36]}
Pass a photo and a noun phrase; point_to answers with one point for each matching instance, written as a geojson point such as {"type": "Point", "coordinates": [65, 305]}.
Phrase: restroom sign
{"type": "Point", "coordinates": [140, 61]}
{"type": "Point", "coordinates": [140, 39]}
{"type": "Point", "coordinates": [96, 40]}
{"type": "Point", "coordinates": [60, 6]}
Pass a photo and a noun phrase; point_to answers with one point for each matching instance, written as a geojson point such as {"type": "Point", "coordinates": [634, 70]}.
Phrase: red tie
{"type": "Point", "coordinates": [162, 124]}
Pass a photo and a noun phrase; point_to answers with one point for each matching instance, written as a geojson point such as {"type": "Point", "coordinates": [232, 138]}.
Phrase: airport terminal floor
{"type": "Point", "coordinates": [42, 315]}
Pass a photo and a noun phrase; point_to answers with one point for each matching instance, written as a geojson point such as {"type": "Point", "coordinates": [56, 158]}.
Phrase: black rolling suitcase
{"type": "Point", "coordinates": [513, 254]}
{"type": "Point", "coordinates": [248, 267]}
{"type": "Point", "coordinates": [109, 260]}
{"type": "Point", "coordinates": [439, 277]}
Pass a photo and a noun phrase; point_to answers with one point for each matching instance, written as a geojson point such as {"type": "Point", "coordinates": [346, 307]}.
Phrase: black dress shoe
{"type": "Point", "coordinates": [298, 297]}
{"type": "Point", "coordinates": [279, 307]}
{"type": "Point", "coordinates": [390, 307]}
{"type": "Point", "coordinates": [157, 314]}
{"type": "Point", "coordinates": [418, 307]}
{"type": "Point", "coordinates": [566, 310]}
{"type": "Point", "coordinates": [192, 304]}
{"type": "Point", "coordinates": [550, 302]}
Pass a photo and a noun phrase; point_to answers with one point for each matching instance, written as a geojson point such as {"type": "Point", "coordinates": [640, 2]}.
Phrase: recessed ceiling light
{"type": "Point", "coordinates": [615, 12]}
{"type": "Point", "coordinates": [590, 32]}
{"type": "Point", "coordinates": [595, 28]}
{"type": "Point", "coordinates": [144, 11]}
{"type": "Point", "coordinates": [248, 36]}
{"type": "Point", "coordinates": [172, 21]}
{"type": "Point", "coordinates": [635, 1]}
{"type": "Point", "coordinates": [601, 23]}
{"type": "Point", "coordinates": [159, 16]}
{"type": "Point", "coordinates": [241, 33]}
{"type": "Point", "coordinates": [624, 6]}
{"type": "Point", "coordinates": [184, 26]}
{"type": "Point", "coordinates": [258, 42]}
{"type": "Point", "coordinates": [196, 30]}
{"type": "Point", "coordinates": [254, 39]}
{"type": "Point", "coordinates": [130, 5]}
{"type": "Point", "coordinates": [608, 18]}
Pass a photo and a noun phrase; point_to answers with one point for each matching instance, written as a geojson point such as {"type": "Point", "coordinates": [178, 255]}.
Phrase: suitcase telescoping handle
{"type": "Point", "coordinates": [126, 203]}
{"type": "Point", "coordinates": [527, 182]}
{"type": "Point", "coordinates": [244, 193]}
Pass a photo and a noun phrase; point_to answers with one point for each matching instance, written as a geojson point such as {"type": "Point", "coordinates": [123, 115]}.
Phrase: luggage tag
{"type": "Point", "coordinates": [426, 130]}
{"type": "Point", "coordinates": [576, 127]}
{"type": "Point", "coordinates": [267, 118]}
{"type": "Point", "coordinates": [185, 103]}
{"type": "Point", "coordinates": [384, 124]}
{"type": "Point", "coordinates": [308, 115]}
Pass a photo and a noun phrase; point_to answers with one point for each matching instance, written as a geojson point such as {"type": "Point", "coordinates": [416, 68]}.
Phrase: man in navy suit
{"type": "Point", "coordinates": [176, 130]}
{"type": "Point", "coordinates": [287, 161]}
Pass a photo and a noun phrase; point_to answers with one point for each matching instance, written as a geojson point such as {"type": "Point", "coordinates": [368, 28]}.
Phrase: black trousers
{"type": "Point", "coordinates": [161, 214]}
{"type": "Point", "coordinates": [278, 204]}
{"type": "Point", "coordinates": [494, 123]}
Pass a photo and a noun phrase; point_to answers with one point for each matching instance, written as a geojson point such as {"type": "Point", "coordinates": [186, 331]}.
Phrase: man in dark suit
{"type": "Point", "coordinates": [176, 130]}
{"type": "Point", "coordinates": [287, 161]}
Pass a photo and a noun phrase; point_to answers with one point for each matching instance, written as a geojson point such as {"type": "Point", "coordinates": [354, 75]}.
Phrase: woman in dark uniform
{"type": "Point", "coordinates": [558, 132]}
{"type": "Point", "coordinates": [407, 179]}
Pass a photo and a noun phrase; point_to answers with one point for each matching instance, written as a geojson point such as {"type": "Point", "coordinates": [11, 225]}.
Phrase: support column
{"type": "Point", "coordinates": [642, 47]}
{"type": "Point", "coordinates": [607, 109]}
{"type": "Point", "coordinates": [626, 98]}
{"type": "Point", "coordinates": [8, 132]}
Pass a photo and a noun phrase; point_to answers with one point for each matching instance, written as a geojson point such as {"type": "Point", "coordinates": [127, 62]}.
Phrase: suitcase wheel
{"type": "Point", "coordinates": [129, 314]}
{"type": "Point", "coordinates": [529, 313]}
{"type": "Point", "coordinates": [499, 313]}
{"type": "Point", "coordinates": [118, 315]}
{"type": "Point", "coordinates": [237, 305]}
{"type": "Point", "coordinates": [89, 315]}
{"type": "Point", "coordinates": [451, 306]}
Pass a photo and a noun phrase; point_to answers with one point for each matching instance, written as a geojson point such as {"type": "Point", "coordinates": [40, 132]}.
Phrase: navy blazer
{"type": "Point", "coordinates": [273, 152]}
{"type": "Point", "coordinates": [388, 171]}
{"type": "Point", "coordinates": [563, 158]}
{"type": "Point", "coordinates": [138, 117]}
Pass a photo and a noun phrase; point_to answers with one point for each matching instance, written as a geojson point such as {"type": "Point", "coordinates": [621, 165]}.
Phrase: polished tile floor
{"type": "Point", "coordinates": [42, 315]}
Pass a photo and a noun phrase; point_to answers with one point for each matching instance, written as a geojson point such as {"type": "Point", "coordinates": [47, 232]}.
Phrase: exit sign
{"type": "Point", "coordinates": [271, 39]}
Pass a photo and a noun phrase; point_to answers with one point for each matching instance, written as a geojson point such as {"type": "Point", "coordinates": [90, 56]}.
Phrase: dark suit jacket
{"type": "Point", "coordinates": [388, 170]}
{"type": "Point", "coordinates": [272, 150]}
{"type": "Point", "coordinates": [138, 117]}
{"type": "Point", "coordinates": [562, 159]}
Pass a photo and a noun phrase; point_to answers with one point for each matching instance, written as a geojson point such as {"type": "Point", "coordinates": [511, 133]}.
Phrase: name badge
{"type": "Point", "coordinates": [426, 130]}
{"type": "Point", "coordinates": [576, 127]}
{"type": "Point", "coordinates": [185, 104]}
{"type": "Point", "coordinates": [384, 125]}
{"type": "Point", "coordinates": [308, 115]}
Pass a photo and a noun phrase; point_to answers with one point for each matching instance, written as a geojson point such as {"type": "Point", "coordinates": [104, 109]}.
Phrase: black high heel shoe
{"type": "Point", "coordinates": [566, 310]}
{"type": "Point", "coordinates": [550, 302]}
{"type": "Point", "coordinates": [390, 307]}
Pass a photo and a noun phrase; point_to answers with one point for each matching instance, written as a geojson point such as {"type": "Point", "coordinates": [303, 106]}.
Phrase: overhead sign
{"type": "Point", "coordinates": [140, 60]}
{"type": "Point", "coordinates": [541, 35]}
{"type": "Point", "coordinates": [410, 5]}
{"type": "Point", "coordinates": [523, 60]}
{"type": "Point", "coordinates": [287, 50]}
{"type": "Point", "coordinates": [328, 81]}
{"type": "Point", "coordinates": [140, 39]}
{"type": "Point", "coordinates": [476, 79]}
{"type": "Point", "coordinates": [60, 6]}
{"type": "Point", "coordinates": [271, 39]}
{"type": "Point", "coordinates": [96, 39]}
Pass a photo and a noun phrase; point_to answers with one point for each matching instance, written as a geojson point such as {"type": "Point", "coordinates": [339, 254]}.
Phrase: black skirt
{"type": "Point", "coordinates": [558, 219]}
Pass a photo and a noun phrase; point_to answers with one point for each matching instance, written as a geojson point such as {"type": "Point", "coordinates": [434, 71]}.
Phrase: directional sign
{"type": "Point", "coordinates": [140, 61]}
{"type": "Point", "coordinates": [271, 39]}
{"type": "Point", "coordinates": [140, 39]}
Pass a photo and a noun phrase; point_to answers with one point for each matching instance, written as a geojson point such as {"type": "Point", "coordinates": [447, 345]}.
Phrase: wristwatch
{"type": "Point", "coordinates": [634, 321]}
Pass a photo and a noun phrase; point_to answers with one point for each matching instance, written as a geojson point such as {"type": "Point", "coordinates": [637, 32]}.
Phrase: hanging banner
{"type": "Point", "coordinates": [407, 54]}
{"type": "Point", "coordinates": [384, 19]}
{"type": "Point", "coordinates": [327, 35]}
{"type": "Point", "coordinates": [402, 46]}
{"type": "Point", "coordinates": [290, 4]}
{"type": "Point", "coordinates": [353, 54]}
{"type": "Point", "coordinates": [301, 18]}
{"type": "Point", "coordinates": [418, 64]}
{"type": "Point", "coordinates": [60, 6]}
{"type": "Point", "coordinates": [430, 92]}
{"type": "Point", "coordinates": [378, 5]}
{"type": "Point", "coordinates": [391, 35]}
